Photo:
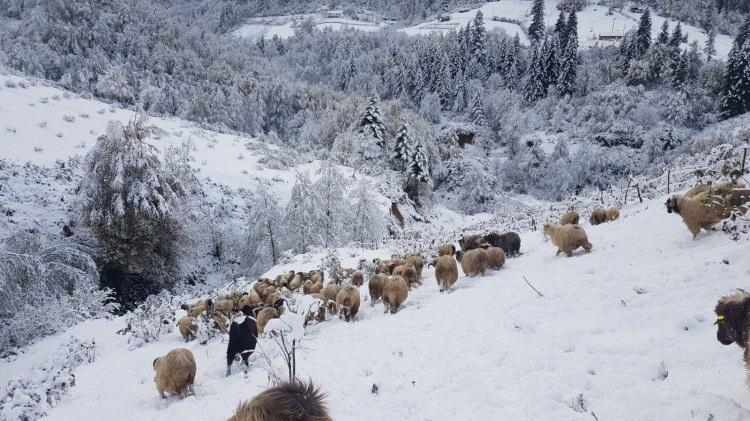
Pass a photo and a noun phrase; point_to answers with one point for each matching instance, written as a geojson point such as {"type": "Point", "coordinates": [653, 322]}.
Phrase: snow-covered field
{"type": "Point", "coordinates": [593, 21]}
{"type": "Point", "coordinates": [284, 26]}
{"type": "Point", "coordinates": [622, 333]}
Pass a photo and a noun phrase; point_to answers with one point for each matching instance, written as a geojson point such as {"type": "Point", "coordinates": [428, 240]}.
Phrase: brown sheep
{"type": "Point", "coordinates": [732, 324]}
{"type": "Point", "coordinates": [446, 250]}
{"type": "Point", "coordinates": [381, 266]}
{"type": "Point", "coordinates": [570, 218]}
{"type": "Point", "coordinates": [200, 307]}
{"type": "Point", "coordinates": [446, 272]}
{"type": "Point", "coordinates": [474, 262]}
{"type": "Point", "coordinates": [260, 285]}
{"type": "Point", "coordinates": [175, 373]}
{"type": "Point", "coordinates": [395, 292]}
{"type": "Point", "coordinates": [471, 242]}
{"type": "Point", "coordinates": [567, 238]}
{"type": "Point", "coordinates": [497, 257]}
{"type": "Point", "coordinates": [252, 299]}
{"type": "Point", "coordinates": [293, 401]}
{"type": "Point", "coordinates": [224, 307]}
{"type": "Point", "coordinates": [329, 296]}
{"type": "Point", "coordinates": [264, 315]}
{"type": "Point", "coordinates": [409, 273]}
{"type": "Point", "coordinates": [417, 261]}
{"type": "Point", "coordinates": [347, 300]}
{"type": "Point", "coordinates": [375, 285]}
{"type": "Point", "coordinates": [702, 210]}
{"type": "Point", "coordinates": [296, 282]}
{"type": "Point", "coordinates": [273, 298]}
{"type": "Point", "coordinates": [598, 216]}
{"type": "Point", "coordinates": [320, 315]}
{"type": "Point", "coordinates": [188, 328]}
{"type": "Point", "coordinates": [613, 213]}
{"type": "Point", "coordinates": [358, 278]}
{"type": "Point", "coordinates": [235, 296]}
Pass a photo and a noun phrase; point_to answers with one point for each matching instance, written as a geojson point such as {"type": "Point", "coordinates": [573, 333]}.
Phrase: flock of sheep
{"type": "Point", "coordinates": [390, 281]}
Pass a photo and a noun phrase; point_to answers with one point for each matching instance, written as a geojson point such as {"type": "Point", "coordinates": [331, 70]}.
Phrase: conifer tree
{"type": "Point", "coordinates": [663, 37]}
{"type": "Point", "coordinates": [561, 26]}
{"type": "Point", "coordinates": [402, 148]}
{"type": "Point", "coordinates": [536, 29]}
{"type": "Point", "coordinates": [735, 97]}
{"type": "Point", "coordinates": [371, 123]}
{"type": "Point", "coordinates": [535, 88]}
{"type": "Point", "coordinates": [643, 34]}
{"type": "Point", "coordinates": [676, 39]}
{"type": "Point", "coordinates": [477, 110]}
{"type": "Point", "coordinates": [568, 66]}
{"type": "Point", "coordinates": [478, 36]}
{"type": "Point", "coordinates": [551, 62]}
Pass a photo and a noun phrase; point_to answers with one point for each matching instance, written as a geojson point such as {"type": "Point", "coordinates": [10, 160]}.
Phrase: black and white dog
{"type": "Point", "coordinates": [243, 335]}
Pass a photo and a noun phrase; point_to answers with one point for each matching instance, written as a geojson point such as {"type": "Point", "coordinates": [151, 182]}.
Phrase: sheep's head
{"type": "Point", "coordinates": [731, 318]}
{"type": "Point", "coordinates": [548, 228]}
{"type": "Point", "coordinates": [672, 205]}
{"type": "Point", "coordinates": [459, 255]}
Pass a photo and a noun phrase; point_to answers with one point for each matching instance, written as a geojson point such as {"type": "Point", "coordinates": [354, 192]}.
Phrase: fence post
{"type": "Point", "coordinates": [669, 180]}
{"type": "Point", "coordinates": [638, 189]}
{"type": "Point", "coordinates": [744, 157]}
{"type": "Point", "coordinates": [627, 189]}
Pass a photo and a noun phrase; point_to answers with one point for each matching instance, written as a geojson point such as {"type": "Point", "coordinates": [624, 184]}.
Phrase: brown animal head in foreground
{"type": "Point", "coordinates": [672, 205]}
{"type": "Point", "coordinates": [294, 401]}
{"type": "Point", "coordinates": [731, 318]}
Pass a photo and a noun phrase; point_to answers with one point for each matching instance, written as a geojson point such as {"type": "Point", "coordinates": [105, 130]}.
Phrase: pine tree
{"type": "Point", "coordinates": [735, 97]}
{"type": "Point", "coordinates": [512, 72]}
{"type": "Point", "coordinates": [663, 37]}
{"type": "Point", "coordinates": [561, 26]}
{"type": "Point", "coordinates": [676, 38]}
{"type": "Point", "coordinates": [536, 29]}
{"type": "Point", "coordinates": [261, 45]}
{"type": "Point", "coordinates": [710, 47]}
{"type": "Point", "coordinates": [551, 62]}
{"type": "Point", "coordinates": [418, 167]}
{"type": "Point", "coordinates": [478, 37]}
{"type": "Point", "coordinates": [371, 123]}
{"type": "Point", "coordinates": [568, 67]}
{"type": "Point", "coordinates": [643, 34]}
{"type": "Point", "coordinates": [535, 88]}
{"type": "Point", "coordinates": [571, 30]}
{"type": "Point", "coordinates": [477, 110]}
{"type": "Point", "coordinates": [402, 149]}
{"type": "Point", "coordinates": [677, 68]}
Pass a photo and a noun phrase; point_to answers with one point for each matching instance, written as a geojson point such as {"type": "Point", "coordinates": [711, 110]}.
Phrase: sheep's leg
{"type": "Point", "coordinates": [558, 252]}
{"type": "Point", "coordinates": [569, 253]}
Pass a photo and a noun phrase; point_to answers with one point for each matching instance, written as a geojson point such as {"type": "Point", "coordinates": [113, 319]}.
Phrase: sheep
{"type": "Point", "coordinates": [375, 285]}
{"type": "Point", "coordinates": [293, 401]}
{"type": "Point", "coordinates": [358, 278]}
{"type": "Point", "coordinates": [395, 292]}
{"type": "Point", "coordinates": [446, 250]}
{"type": "Point", "coordinates": [474, 262]}
{"type": "Point", "coordinates": [394, 263]}
{"type": "Point", "coordinates": [200, 307]}
{"type": "Point", "coordinates": [613, 213]}
{"type": "Point", "coordinates": [471, 242]}
{"type": "Point", "coordinates": [175, 373]}
{"type": "Point", "coordinates": [188, 327]}
{"type": "Point", "coordinates": [235, 297]}
{"type": "Point", "coordinates": [703, 210]}
{"type": "Point", "coordinates": [260, 285]}
{"type": "Point", "coordinates": [570, 218]}
{"type": "Point", "coordinates": [252, 299]}
{"type": "Point", "coordinates": [296, 282]}
{"type": "Point", "coordinates": [264, 315]}
{"type": "Point", "coordinates": [224, 307]}
{"type": "Point", "coordinates": [272, 299]}
{"type": "Point", "coordinates": [417, 261]}
{"type": "Point", "coordinates": [598, 216]}
{"type": "Point", "coordinates": [347, 300]}
{"type": "Point", "coordinates": [320, 315]}
{"type": "Point", "coordinates": [311, 287]}
{"type": "Point", "coordinates": [496, 256]}
{"type": "Point", "coordinates": [732, 324]}
{"type": "Point", "coordinates": [381, 266]}
{"type": "Point", "coordinates": [567, 238]}
{"type": "Point", "coordinates": [409, 273]}
{"type": "Point", "coordinates": [329, 296]}
{"type": "Point", "coordinates": [510, 242]}
{"type": "Point", "coordinates": [243, 336]}
{"type": "Point", "coordinates": [446, 272]}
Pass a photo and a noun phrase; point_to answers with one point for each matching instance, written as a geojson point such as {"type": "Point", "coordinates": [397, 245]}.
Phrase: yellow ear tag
{"type": "Point", "coordinates": [720, 318]}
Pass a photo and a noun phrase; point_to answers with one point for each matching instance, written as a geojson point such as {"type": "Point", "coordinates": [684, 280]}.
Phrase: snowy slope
{"type": "Point", "coordinates": [623, 333]}
{"type": "Point", "coordinates": [592, 21]}
{"type": "Point", "coordinates": [284, 26]}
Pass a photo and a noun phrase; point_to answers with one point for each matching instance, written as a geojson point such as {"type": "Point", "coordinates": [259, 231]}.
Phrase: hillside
{"type": "Point", "coordinates": [623, 333]}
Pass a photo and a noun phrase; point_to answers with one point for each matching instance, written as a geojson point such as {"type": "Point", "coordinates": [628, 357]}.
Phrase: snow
{"type": "Point", "coordinates": [284, 26]}
{"type": "Point", "coordinates": [624, 332]}
{"type": "Point", "coordinates": [592, 21]}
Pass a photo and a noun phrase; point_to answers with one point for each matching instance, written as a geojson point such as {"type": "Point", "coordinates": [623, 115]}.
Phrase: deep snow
{"type": "Point", "coordinates": [492, 349]}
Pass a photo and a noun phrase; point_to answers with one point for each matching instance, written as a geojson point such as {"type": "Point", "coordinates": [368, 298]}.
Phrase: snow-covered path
{"type": "Point", "coordinates": [609, 328]}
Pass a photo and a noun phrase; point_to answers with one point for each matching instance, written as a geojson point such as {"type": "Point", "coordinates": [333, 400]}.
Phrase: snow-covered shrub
{"type": "Point", "coordinates": [151, 319]}
{"type": "Point", "coordinates": [45, 290]}
{"type": "Point", "coordinates": [331, 262]}
{"type": "Point", "coordinates": [131, 202]}
{"type": "Point", "coordinates": [30, 398]}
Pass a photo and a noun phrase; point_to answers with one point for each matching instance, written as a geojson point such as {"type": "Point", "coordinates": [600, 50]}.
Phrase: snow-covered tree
{"type": "Point", "coordinates": [418, 166]}
{"type": "Point", "coordinates": [299, 219]}
{"type": "Point", "coordinates": [371, 123]}
{"type": "Point", "coordinates": [131, 202]}
{"type": "Point", "coordinates": [402, 147]}
{"type": "Point", "coordinates": [329, 206]}
{"type": "Point", "coordinates": [663, 37]}
{"type": "Point", "coordinates": [536, 28]}
{"type": "Point", "coordinates": [676, 39]}
{"type": "Point", "coordinates": [368, 222]}
{"type": "Point", "coordinates": [536, 87]}
{"type": "Point", "coordinates": [265, 240]}
{"type": "Point", "coordinates": [735, 96]}
{"type": "Point", "coordinates": [643, 34]}
{"type": "Point", "coordinates": [477, 110]}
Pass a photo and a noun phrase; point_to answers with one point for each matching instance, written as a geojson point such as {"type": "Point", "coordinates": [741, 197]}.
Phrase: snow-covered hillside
{"type": "Point", "coordinates": [593, 21]}
{"type": "Point", "coordinates": [622, 333]}
{"type": "Point", "coordinates": [284, 26]}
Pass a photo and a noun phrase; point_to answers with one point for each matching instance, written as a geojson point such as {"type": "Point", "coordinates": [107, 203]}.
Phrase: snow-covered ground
{"type": "Point", "coordinates": [593, 21]}
{"type": "Point", "coordinates": [284, 26]}
{"type": "Point", "coordinates": [622, 333]}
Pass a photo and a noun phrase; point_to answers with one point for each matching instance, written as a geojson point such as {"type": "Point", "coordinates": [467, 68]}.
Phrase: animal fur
{"type": "Point", "coordinates": [175, 373]}
{"type": "Point", "coordinates": [733, 324]}
{"type": "Point", "coordinates": [224, 307]}
{"type": "Point", "coordinates": [320, 315]}
{"type": "Point", "coordinates": [200, 307]}
{"type": "Point", "coordinates": [272, 298]}
{"type": "Point", "coordinates": [613, 213]}
{"type": "Point", "coordinates": [395, 292]}
{"type": "Point", "coordinates": [295, 401]}
{"type": "Point", "coordinates": [417, 261]}
{"type": "Point", "coordinates": [252, 299]}
{"type": "Point", "coordinates": [329, 296]}
{"type": "Point", "coordinates": [567, 238]}
{"type": "Point", "coordinates": [496, 256]}
{"type": "Point", "coordinates": [243, 336]}
{"type": "Point", "coordinates": [358, 278]}
{"type": "Point", "coordinates": [296, 282]}
{"type": "Point", "coordinates": [698, 211]}
{"type": "Point", "coordinates": [446, 250]}
{"type": "Point", "coordinates": [446, 272]}
{"type": "Point", "coordinates": [347, 300]}
{"type": "Point", "coordinates": [264, 315]}
{"type": "Point", "coordinates": [375, 285]}
{"type": "Point", "coordinates": [570, 218]}
{"type": "Point", "coordinates": [408, 272]}
{"type": "Point", "coordinates": [188, 328]}
{"type": "Point", "coordinates": [510, 242]}
{"type": "Point", "coordinates": [474, 262]}
{"type": "Point", "coordinates": [598, 216]}
{"type": "Point", "coordinates": [471, 242]}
